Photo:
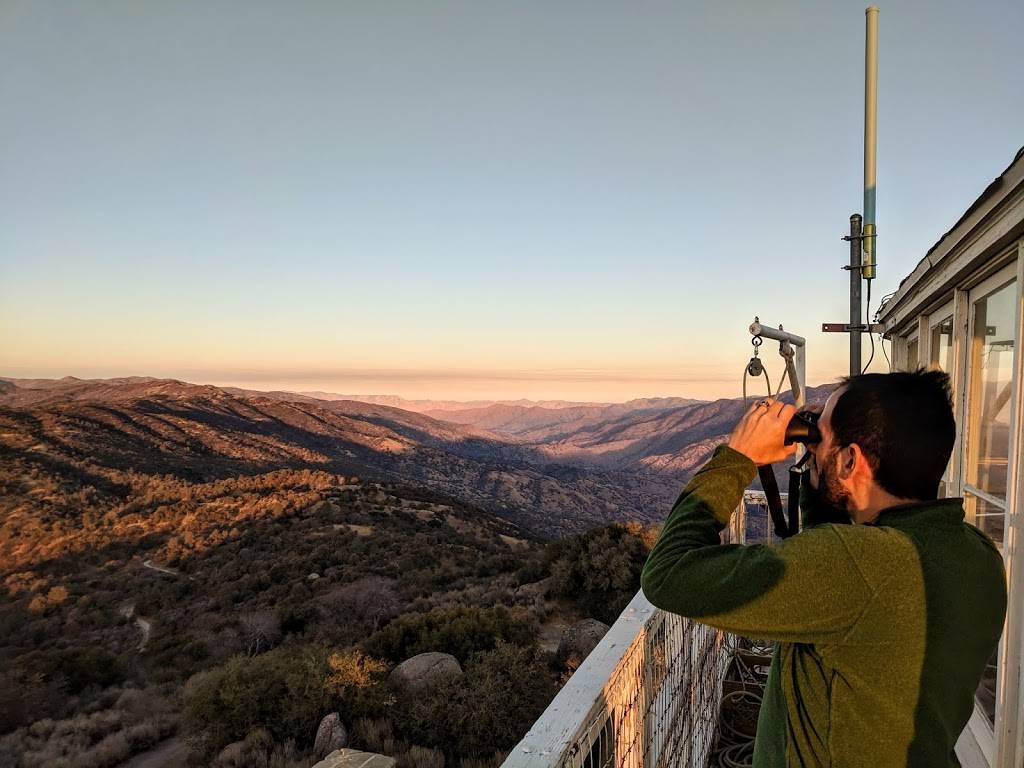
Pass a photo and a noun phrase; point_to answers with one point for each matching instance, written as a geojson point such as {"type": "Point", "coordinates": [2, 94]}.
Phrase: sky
{"type": "Point", "coordinates": [576, 200]}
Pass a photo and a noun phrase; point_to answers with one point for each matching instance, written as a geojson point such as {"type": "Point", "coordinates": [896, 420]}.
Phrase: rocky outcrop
{"type": "Point", "coordinates": [579, 639]}
{"type": "Point", "coordinates": [330, 736]}
{"type": "Point", "coordinates": [534, 590]}
{"type": "Point", "coordinates": [353, 758]}
{"type": "Point", "coordinates": [230, 756]}
{"type": "Point", "coordinates": [425, 668]}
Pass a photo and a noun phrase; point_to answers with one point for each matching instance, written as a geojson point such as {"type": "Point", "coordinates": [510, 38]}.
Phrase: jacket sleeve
{"type": "Point", "coordinates": [808, 588]}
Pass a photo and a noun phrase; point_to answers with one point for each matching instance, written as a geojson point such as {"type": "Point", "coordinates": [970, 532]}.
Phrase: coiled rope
{"type": "Point", "coordinates": [739, 709]}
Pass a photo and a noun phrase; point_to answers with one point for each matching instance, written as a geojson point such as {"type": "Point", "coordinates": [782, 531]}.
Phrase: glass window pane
{"type": "Point", "coordinates": [942, 344]}
{"type": "Point", "coordinates": [991, 519]}
{"type": "Point", "coordinates": [986, 691]}
{"type": "Point", "coordinates": [985, 516]}
{"type": "Point", "coordinates": [991, 383]}
{"type": "Point", "coordinates": [912, 357]}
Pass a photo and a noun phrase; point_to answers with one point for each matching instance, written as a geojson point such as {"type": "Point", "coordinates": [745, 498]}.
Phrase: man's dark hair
{"type": "Point", "coordinates": [903, 422]}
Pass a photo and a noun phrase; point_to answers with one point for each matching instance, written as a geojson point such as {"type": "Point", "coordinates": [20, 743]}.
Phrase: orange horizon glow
{"type": "Point", "coordinates": [575, 385]}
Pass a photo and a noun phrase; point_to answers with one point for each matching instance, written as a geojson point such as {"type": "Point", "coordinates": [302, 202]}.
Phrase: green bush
{"type": "Point", "coordinates": [600, 570]}
{"type": "Point", "coordinates": [282, 690]}
{"type": "Point", "coordinates": [79, 667]}
{"type": "Point", "coordinates": [490, 707]}
{"type": "Point", "coordinates": [460, 631]}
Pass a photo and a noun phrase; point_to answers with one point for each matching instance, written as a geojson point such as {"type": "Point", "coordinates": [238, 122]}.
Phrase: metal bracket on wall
{"type": "Point", "coordinates": [847, 328]}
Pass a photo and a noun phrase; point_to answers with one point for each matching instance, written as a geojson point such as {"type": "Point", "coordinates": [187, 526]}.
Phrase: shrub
{"type": "Point", "coordinates": [494, 761]}
{"type": "Point", "coordinates": [491, 706]}
{"type": "Point", "coordinates": [57, 595]}
{"type": "Point", "coordinates": [37, 606]}
{"type": "Point", "coordinates": [125, 723]}
{"type": "Point", "coordinates": [358, 681]}
{"type": "Point", "coordinates": [283, 690]}
{"type": "Point", "coordinates": [600, 570]}
{"type": "Point", "coordinates": [74, 669]}
{"type": "Point", "coordinates": [460, 631]}
{"type": "Point", "coordinates": [373, 735]}
{"type": "Point", "coordinates": [261, 631]}
{"type": "Point", "coordinates": [420, 757]}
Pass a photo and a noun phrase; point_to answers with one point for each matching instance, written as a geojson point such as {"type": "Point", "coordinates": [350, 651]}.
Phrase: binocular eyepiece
{"type": "Point", "coordinates": [803, 428]}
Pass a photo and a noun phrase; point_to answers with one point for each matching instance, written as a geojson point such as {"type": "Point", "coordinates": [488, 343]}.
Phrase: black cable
{"type": "Point", "coordinates": [738, 710]}
{"type": "Point", "coordinates": [871, 337]}
{"type": "Point", "coordinates": [881, 340]}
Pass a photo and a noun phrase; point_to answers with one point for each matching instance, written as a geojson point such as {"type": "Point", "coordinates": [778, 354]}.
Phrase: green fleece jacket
{"type": "Point", "coordinates": [883, 630]}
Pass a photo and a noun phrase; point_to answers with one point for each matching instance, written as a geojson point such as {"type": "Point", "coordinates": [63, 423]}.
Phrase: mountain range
{"type": "Point", "coordinates": [551, 470]}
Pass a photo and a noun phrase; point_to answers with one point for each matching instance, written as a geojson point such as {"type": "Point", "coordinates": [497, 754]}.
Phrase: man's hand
{"type": "Point", "coordinates": [761, 433]}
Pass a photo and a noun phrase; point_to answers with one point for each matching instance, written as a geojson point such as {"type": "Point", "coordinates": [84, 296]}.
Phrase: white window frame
{"type": "Point", "coordinates": [1003, 740]}
{"type": "Point", "coordinates": [1009, 727]}
{"type": "Point", "coordinates": [975, 294]}
{"type": "Point", "coordinates": [902, 353]}
{"type": "Point", "coordinates": [926, 324]}
{"type": "Point", "coordinates": [932, 320]}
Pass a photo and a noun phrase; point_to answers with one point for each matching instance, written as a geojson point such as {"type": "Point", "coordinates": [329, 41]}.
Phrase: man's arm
{"type": "Point", "coordinates": [806, 589]}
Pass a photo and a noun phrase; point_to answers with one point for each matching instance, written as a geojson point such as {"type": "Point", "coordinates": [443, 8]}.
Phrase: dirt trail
{"type": "Point", "coordinates": [167, 754]}
{"type": "Point", "coordinates": [551, 631]}
{"type": "Point", "coordinates": [168, 571]}
{"type": "Point", "coordinates": [145, 626]}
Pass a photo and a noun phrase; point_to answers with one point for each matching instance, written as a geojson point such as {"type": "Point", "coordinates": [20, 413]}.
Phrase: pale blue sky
{"type": "Point", "coordinates": [587, 200]}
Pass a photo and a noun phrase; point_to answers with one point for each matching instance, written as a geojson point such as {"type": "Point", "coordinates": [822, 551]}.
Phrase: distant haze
{"type": "Point", "coordinates": [574, 386]}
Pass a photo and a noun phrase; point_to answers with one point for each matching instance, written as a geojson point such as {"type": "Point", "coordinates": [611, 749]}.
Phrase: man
{"type": "Point", "coordinates": [883, 627]}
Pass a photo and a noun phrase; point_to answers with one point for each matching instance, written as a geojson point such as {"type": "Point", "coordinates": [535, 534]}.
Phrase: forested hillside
{"type": "Point", "coordinates": [227, 571]}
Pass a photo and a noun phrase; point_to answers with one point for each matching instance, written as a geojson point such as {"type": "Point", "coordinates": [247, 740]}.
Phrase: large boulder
{"type": "Point", "coordinates": [231, 755]}
{"type": "Point", "coordinates": [353, 758]}
{"type": "Point", "coordinates": [330, 736]}
{"type": "Point", "coordinates": [425, 668]}
{"type": "Point", "coordinates": [534, 590]}
{"type": "Point", "coordinates": [579, 639]}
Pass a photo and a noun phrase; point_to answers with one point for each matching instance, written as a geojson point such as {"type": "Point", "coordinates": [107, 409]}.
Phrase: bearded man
{"type": "Point", "coordinates": [883, 620]}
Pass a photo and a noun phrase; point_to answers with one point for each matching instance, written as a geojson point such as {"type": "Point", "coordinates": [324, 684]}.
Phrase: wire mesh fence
{"type": "Point", "coordinates": [647, 696]}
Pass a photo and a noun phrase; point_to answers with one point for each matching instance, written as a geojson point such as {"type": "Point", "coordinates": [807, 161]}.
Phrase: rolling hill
{"type": "Point", "coordinates": [201, 433]}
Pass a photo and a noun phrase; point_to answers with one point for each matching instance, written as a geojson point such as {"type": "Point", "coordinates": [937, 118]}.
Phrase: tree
{"type": "Point", "coordinates": [261, 631]}
{"type": "Point", "coordinates": [369, 602]}
{"type": "Point", "coordinates": [282, 690]}
{"type": "Point", "coordinates": [600, 570]}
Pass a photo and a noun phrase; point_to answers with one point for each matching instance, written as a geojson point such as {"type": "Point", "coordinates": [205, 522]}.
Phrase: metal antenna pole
{"type": "Point", "coordinates": [855, 302]}
{"type": "Point", "coordinates": [870, 138]}
{"type": "Point", "coordinates": [862, 237]}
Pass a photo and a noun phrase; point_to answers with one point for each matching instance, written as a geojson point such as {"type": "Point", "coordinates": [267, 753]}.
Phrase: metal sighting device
{"type": "Point", "coordinates": [802, 428]}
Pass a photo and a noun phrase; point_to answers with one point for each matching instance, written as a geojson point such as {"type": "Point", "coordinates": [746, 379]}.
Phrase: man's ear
{"type": "Point", "coordinates": [846, 461]}
{"type": "Point", "coordinates": [852, 461]}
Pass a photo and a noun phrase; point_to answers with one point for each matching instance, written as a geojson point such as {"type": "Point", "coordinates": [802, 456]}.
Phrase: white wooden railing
{"type": "Point", "coordinates": [646, 697]}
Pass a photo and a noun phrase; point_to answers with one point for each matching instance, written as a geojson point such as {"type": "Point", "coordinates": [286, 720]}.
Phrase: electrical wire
{"type": "Point", "coordinates": [881, 340]}
{"type": "Point", "coordinates": [871, 336]}
{"type": "Point", "coordinates": [738, 710]}
{"type": "Point", "coordinates": [878, 312]}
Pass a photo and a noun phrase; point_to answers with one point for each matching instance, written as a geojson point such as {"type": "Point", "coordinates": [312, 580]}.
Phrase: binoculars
{"type": "Point", "coordinates": [803, 428]}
